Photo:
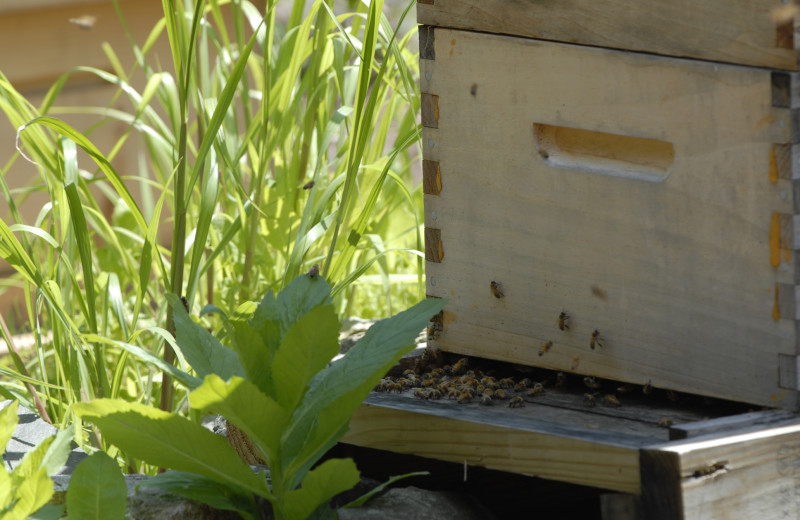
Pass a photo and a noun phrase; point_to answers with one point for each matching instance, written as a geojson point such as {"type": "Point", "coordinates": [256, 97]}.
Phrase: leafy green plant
{"type": "Point", "coordinates": [28, 488]}
{"type": "Point", "coordinates": [228, 139]}
{"type": "Point", "coordinates": [278, 384]}
{"type": "Point", "coordinates": [97, 489]}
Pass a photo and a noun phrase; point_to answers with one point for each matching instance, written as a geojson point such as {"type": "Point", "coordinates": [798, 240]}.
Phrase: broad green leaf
{"type": "Point", "coordinates": [306, 348]}
{"type": "Point", "coordinates": [202, 350]}
{"type": "Point", "coordinates": [348, 380]}
{"type": "Point", "coordinates": [242, 403]}
{"type": "Point", "coordinates": [320, 485]}
{"type": "Point", "coordinates": [255, 353]}
{"type": "Point", "coordinates": [97, 489]}
{"type": "Point", "coordinates": [169, 441]}
{"type": "Point", "coordinates": [9, 418]}
{"type": "Point", "coordinates": [58, 452]}
{"type": "Point", "coordinates": [32, 492]}
{"type": "Point", "coordinates": [48, 512]}
{"type": "Point", "coordinates": [218, 495]}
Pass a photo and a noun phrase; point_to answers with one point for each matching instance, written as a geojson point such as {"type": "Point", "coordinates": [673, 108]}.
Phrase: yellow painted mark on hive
{"type": "Point", "coordinates": [441, 251]}
{"type": "Point", "coordinates": [776, 310]}
{"type": "Point", "coordinates": [448, 317]}
{"type": "Point", "coordinates": [773, 164]}
{"type": "Point", "coordinates": [438, 173]}
{"type": "Point", "coordinates": [775, 240]}
{"type": "Point", "coordinates": [452, 46]}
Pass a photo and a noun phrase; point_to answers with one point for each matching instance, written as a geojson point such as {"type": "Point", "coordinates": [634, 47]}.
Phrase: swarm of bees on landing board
{"type": "Point", "coordinates": [433, 378]}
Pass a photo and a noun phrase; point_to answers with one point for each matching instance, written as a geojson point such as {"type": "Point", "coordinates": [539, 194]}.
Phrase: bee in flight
{"type": "Point", "coordinates": [85, 21]}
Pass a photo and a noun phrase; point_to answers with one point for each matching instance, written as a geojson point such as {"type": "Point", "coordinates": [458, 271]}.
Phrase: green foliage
{"type": "Point", "coordinates": [97, 489]}
{"type": "Point", "coordinates": [28, 487]}
{"type": "Point", "coordinates": [228, 134]}
{"type": "Point", "coordinates": [295, 409]}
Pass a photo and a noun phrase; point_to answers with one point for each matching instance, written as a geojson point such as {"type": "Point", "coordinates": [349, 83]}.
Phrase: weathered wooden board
{"type": "Point", "coordinates": [752, 475]}
{"type": "Point", "coordinates": [649, 198]}
{"type": "Point", "coordinates": [744, 470]}
{"type": "Point", "coordinates": [502, 439]}
{"type": "Point", "coordinates": [750, 32]}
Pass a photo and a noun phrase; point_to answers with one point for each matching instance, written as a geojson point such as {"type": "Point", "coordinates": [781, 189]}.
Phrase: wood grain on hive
{"type": "Point", "coordinates": [649, 198]}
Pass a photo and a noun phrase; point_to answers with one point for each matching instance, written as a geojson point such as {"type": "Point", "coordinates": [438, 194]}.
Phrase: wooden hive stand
{"type": "Point", "coordinates": [611, 192]}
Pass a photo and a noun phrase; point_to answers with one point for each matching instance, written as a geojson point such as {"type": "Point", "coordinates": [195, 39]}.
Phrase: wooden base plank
{"type": "Point", "coordinates": [750, 475]}
{"type": "Point", "coordinates": [547, 450]}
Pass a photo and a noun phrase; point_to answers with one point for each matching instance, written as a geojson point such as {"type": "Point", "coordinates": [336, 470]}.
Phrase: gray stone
{"type": "Point", "coordinates": [30, 432]}
{"type": "Point", "coordinates": [420, 504]}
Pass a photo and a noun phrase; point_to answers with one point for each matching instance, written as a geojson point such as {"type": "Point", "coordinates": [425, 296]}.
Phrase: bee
{"type": "Point", "coordinates": [647, 389]}
{"type": "Point", "coordinates": [434, 393]}
{"type": "Point", "coordinates": [308, 185]}
{"type": "Point", "coordinates": [313, 272]}
{"type": "Point", "coordinates": [591, 382]}
{"type": "Point", "coordinates": [408, 372]}
{"type": "Point", "coordinates": [623, 389]}
{"type": "Point", "coordinates": [520, 387]}
{"type": "Point", "coordinates": [489, 382]}
{"type": "Point", "coordinates": [506, 383]}
{"type": "Point", "coordinates": [666, 422]}
{"type": "Point", "coordinates": [500, 394]}
{"type": "Point", "coordinates": [527, 383]}
{"type": "Point", "coordinates": [589, 399]}
{"type": "Point", "coordinates": [460, 367]}
{"type": "Point", "coordinates": [471, 381]}
{"type": "Point", "coordinates": [673, 396]}
{"type": "Point", "coordinates": [575, 362]}
{"type": "Point", "coordinates": [537, 389]}
{"type": "Point", "coordinates": [405, 383]}
{"type": "Point", "coordinates": [419, 393]}
{"type": "Point", "coordinates": [432, 332]}
{"type": "Point", "coordinates": [595, 340]}
{"type": "Point", "coordinates": [185, 303]}
{"type": "Point", "coordinates": [464, 389]}
{"type": "Point", "coordinates": [85, 21]}
{"type": "Point", "coordinates": [611, 400]}
{"type": "Point", "coordinates": [383, 385]}
{"type": "Point", "coordinates": [488, 391]}
{"type": "Point", "coordinates": [437, 372]}
{"type": "Point", "coordinates": [545, 347]}
{"type": "Point", "coordinates": [563, 319]}
{"type": "Point", "coordinates": [516, 402]}
{"type": "Point", "coordinates": [474, 89]}
{"type": "Point", "coordinates": [561, 380]}
{"type": "Point", "coordinates": [464, 397]}
{"type": "Point", "coordinates": [486, 400]}
{"type": "Point", "coordinates": [497, 289]}
{"type": "Point", "coordinates": [453, 393]}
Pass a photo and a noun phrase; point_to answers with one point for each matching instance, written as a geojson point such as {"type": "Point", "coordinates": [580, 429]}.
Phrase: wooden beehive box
{"type": "Point", "coordinates": [631, 164]}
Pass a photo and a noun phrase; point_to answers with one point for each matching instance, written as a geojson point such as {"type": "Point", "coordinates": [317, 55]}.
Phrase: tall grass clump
{"type": "Point", "coordinates": [265, 147]}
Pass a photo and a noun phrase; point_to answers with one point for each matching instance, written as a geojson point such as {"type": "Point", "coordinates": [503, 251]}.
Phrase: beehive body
{"type": "Point", "coordinates": [648, 197]}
